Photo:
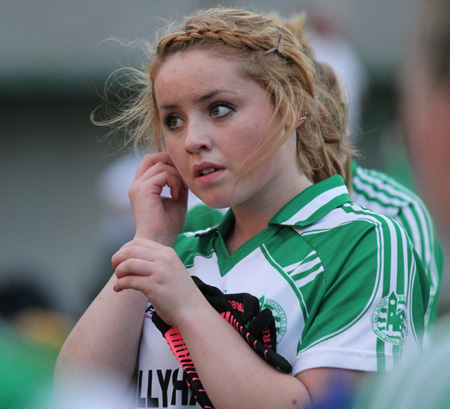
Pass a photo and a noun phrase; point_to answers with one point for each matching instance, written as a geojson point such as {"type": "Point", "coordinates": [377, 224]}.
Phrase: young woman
{"type": "Point", "coordinates": [232, 98]}
{"type": "Point", "coordinates": [426, 102]}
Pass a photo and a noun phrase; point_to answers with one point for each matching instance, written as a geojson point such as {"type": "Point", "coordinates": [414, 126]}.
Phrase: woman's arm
{"type": "Point", "coordinates": [106, 338]}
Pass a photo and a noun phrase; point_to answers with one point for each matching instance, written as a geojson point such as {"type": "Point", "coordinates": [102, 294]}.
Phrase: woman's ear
{"type": "Point", "coordinates": [301, 118]}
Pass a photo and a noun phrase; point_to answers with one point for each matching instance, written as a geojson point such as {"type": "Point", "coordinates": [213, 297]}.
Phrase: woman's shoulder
{"type": "Point", "coordinates": [354, 232]}
{"type": "Point", "coordinates": [351, 217]}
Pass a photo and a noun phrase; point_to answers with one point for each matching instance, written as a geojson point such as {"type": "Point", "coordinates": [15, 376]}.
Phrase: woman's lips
{"type": "Point", "coordinates": [208, 173]}
{"type": "Point", "coordinates": [205, 168]}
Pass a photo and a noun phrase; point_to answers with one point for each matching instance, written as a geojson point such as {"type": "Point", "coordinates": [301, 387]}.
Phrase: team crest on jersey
{"type": "Point", "coordinates": [389, 321]}
{"type": "Point", "coordinates": [278, 314]}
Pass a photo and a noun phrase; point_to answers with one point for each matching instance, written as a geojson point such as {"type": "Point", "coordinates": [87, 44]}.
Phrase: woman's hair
{"type": "Point", "coordinates": [269, 54]}
{"type": "Point", "coordinates": [334, 100]}
{"type": "Point", "coordinates": [330, 92]}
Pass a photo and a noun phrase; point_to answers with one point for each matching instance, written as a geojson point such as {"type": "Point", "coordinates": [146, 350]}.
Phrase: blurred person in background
{"type": "Point", "coordinates": [31, 334]}
{"type": "Point", "coordinates": [426, 108]}
{"type": "Point", "coordinates": [326, 32]}
{"type": "Point", "coordinates": [26, 369]}
{"type": "Point", "coordinates": [424, 381]}
{"type": "Point", "coordinates": [28, 310]}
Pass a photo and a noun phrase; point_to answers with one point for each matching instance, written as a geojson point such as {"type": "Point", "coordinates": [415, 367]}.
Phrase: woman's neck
{"type": "Point", "coordinates": [245, 227]}
{"type": "Point", "coordinates": [250, 219]}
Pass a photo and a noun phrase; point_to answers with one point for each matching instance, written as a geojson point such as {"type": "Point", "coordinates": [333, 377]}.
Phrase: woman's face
{"type": "Point", "coordinates": [213, 117]}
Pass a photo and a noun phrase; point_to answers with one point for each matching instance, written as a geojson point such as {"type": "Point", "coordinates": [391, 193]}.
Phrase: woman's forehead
{"type": "Point", "coordinates": [198, 68]}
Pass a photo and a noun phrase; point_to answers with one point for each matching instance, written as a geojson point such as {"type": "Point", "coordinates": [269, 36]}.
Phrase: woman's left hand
{"type": "Point", "coordinates": [157, 271]}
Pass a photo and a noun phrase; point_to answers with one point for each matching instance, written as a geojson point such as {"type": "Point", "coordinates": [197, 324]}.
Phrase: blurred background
{"type": "Point", "coordinates": [61, 202]}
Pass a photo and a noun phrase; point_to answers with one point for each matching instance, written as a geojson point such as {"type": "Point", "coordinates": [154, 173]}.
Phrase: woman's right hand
{"type": "Point", "coordinates": [157, 217]}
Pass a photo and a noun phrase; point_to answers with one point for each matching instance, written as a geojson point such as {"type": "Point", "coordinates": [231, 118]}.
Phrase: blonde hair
{"type": "Point", "coordinates": [330, 92]}
{"type": "Point", "coordinates": [269, 54]}
{"type": "Point", "coordinates": [334, 100]}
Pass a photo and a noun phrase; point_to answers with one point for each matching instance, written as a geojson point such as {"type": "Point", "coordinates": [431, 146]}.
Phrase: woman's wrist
{"type": "Point", "coordinates": [164, 239]}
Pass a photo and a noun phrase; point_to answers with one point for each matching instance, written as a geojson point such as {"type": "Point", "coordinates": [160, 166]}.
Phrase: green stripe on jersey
{"type": "Point", "coordinates": [341, 278]}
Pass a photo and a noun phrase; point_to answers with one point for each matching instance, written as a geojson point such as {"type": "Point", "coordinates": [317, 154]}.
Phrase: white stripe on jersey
{"type": "Point", "coordinates": [288, 269]}
{"type": "Point", "coordinates": [298, 292]}
{"type": "Point", "coordinates": [307, 211]}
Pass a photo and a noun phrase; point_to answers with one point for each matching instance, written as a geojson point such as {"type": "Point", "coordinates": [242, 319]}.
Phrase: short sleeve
{"type": "Point", "coordinates": [369, 309]}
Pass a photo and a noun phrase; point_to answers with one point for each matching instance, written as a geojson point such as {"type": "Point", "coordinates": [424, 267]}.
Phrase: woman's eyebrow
{"type": "Point", "coordinates": [211, 94]}
{"type": "Point", "coordinates": [203, 98]}
{"type": "Point", "coordinates": [167, 107]}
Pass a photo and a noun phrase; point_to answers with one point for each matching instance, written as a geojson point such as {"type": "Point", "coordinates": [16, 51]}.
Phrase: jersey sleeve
{"type": "Point", "coordinates": [419, 225]}
{"type": "Point", "coordinates": [369, 308]}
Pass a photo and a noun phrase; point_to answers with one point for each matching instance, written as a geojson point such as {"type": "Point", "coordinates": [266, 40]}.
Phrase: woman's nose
{"type": "Point", "coordinates": [197, 137]}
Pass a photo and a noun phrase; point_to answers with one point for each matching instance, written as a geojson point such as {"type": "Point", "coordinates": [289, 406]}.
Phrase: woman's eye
{"type": "Point", "coordinates": [220, 110]}
{"type": "Point", "coordinates": [172, 122]}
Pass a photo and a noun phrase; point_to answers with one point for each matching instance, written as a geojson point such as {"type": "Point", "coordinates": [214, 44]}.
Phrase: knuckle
{"type": "Point", "coordinates": [133, 189]}
{"type": "Point", "coordinates": [133, 264]}
{"type": "Point", "coordinates": [114, 262]}
{"type": "Point", "coordinates": [167, 254]}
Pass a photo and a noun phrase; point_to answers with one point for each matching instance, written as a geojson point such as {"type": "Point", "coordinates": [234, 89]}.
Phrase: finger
{"type": "Point", "coordinates": [154, 185]}
{"type": "Point", "coordinates": [173, 181]}
{"type": "Point", "coordinates": [137, 248]}
{"type": "Point", "coordinates": [159, 167]}
{"type": "Point", "coordinates": [133, 251]}
{"type": "Point", "coordinates": [156, 164]}
{"type": "Point", "coordinates": [131, 282]}
{"type": "Point", "coordinates": [150, 160]}
{"type": "Point", "coordinates": [133, 266]}
{"type": "Point", "coordinates": [178, 189]}
{"type": "Point", "coordinates": [180, 193]}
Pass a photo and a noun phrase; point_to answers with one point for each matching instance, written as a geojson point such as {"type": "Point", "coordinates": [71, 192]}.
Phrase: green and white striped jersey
{"type": "Point", "coordinates": [342, 281]}
{"type": "Point", "coordinates": [382, 194]}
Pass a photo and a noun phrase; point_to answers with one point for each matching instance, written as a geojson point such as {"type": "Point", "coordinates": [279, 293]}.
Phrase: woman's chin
{"type": "Point", "coordinates": [217, 202]}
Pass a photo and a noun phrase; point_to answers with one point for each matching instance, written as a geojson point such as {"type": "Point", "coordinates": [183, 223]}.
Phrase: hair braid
{"type": "Point", "coordinates": [332, 108]}
{"type": "Point", "coordinates": [268, 53]}
{"type": "Point", "coordinates": [233, 37]}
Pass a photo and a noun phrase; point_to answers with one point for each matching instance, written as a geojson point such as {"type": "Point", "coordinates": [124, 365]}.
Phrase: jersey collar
{"type": "Point", "coordinates": [304, 209]}
{"type": "Point", "coordinates": [313, 203]}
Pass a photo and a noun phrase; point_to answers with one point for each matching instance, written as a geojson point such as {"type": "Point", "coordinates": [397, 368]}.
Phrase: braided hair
{"type": "Point", "coordinates": [330, 95]}
{"type": "Point", "coordinates": [267, 53]}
